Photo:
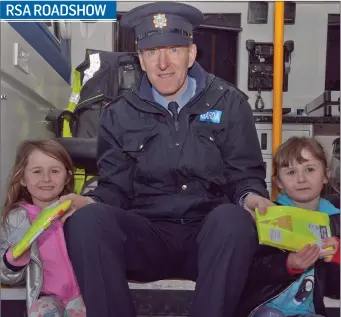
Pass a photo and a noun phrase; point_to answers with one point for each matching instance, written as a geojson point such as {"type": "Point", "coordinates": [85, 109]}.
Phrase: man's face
{"type": "Point", "coordinates": [167, 67]}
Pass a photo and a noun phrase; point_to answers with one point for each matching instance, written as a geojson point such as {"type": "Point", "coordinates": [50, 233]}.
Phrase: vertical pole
{"type": "Point", "coordinates": [277, 80]}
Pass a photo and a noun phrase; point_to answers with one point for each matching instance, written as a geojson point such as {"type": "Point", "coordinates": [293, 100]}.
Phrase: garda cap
{"type": "Point", "coordinates": [163, 23]}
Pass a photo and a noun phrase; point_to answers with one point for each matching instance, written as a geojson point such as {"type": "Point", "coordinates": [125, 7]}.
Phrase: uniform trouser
{"type": "Point", "coordinates": [108, 246]}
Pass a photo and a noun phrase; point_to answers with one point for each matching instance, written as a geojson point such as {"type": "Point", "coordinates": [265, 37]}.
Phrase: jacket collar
{"type": "Point", "coordinates": [324, 205]}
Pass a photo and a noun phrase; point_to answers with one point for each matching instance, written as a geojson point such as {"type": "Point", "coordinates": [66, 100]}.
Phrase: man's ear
{"type": "Point", "coordinates": [140, 53]}
{"type": "Point", "coordinates": [192, 54]}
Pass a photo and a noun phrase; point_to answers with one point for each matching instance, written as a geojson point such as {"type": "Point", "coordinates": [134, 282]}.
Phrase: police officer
{"type": "Point", "coordinates": [178, 159]}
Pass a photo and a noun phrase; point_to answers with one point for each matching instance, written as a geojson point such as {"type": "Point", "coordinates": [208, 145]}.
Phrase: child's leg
{"type": "Point", "coordinates": [75, 308]}
{"type": "Point", "coordinates": [267, 312]}
{"type": "Point", "coordinates": [46, 306]}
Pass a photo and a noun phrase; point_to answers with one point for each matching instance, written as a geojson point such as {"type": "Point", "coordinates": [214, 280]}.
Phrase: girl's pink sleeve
{"type": "Point", "coordinates": [22, 261]}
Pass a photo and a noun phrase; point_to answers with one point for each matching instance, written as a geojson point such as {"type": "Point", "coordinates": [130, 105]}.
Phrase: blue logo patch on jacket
{"type": "Point", "coordinates": [213, 116]}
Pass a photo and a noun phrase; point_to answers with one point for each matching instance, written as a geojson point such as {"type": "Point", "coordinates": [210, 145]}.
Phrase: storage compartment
{"type": "Point", "coordinates": [290, 133]}
{"type": "Point", "coordinates": [265, 141]}
{"type": "Point", "coordinates": [264, 132]}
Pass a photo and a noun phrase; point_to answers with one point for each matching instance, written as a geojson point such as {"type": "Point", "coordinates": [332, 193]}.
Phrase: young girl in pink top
{"type": "Point", "coordinates": [42, 172]}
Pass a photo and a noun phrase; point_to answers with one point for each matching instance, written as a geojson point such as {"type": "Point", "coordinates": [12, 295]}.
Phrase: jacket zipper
{"type": "Point", "coordinates": [40, 286]}
{"type": "Point", "coordinates": [89, 99]}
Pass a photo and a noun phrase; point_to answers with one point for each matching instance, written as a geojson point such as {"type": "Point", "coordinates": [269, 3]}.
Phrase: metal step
{"type": "Point", "coordinates": [157, 299]}
{"type": "Point", "coordinates": [162, 302]}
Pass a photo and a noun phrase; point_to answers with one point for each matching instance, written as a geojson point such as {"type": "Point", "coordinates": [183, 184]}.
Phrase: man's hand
{"type": "Point", "coordinates": [253, 201]}
{"type": "Point", "coordinates": [329, 243]}
{"type": "Point", "coordinates": [304, 258]}
{"type": "Point", "coordinates": [77, 203]}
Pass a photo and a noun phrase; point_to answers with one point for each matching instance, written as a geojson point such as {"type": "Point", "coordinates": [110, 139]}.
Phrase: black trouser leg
{"type": "Point", "coordinates": [107, 246]}
{"type": "Point", "coordinates": [226, 245]}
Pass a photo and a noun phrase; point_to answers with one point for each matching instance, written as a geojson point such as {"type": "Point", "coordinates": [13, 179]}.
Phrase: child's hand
{"type": "Point", "coordinates": [304, 258]}
{"type": "Point", "coordinates": [327, 243]}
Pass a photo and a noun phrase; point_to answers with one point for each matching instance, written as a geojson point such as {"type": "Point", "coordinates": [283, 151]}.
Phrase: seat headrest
{"type": "Point", "coordinates": [82, 152]}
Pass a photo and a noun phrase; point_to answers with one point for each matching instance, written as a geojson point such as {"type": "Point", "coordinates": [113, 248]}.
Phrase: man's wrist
{"type": "Point", "coordinates": [243, 197]}
{"type": "Point", "coordinates": [91, 200]}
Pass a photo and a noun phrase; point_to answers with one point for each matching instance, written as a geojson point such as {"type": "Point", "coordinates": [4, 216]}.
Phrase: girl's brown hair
{"type": "Point", "coordinates": [291, 151]}
{"type": "Point", "coordinates": [17, 193]}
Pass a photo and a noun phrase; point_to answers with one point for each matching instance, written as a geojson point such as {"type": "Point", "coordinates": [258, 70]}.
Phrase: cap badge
{"type": "Point", "coordinates": [160, 21]}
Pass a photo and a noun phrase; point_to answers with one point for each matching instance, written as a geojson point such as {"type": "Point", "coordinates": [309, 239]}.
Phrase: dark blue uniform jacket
{"type": "Point", "coordinates": [180, 169]}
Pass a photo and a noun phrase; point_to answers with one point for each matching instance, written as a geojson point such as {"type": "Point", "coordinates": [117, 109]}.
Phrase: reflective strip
{"type": "Point", "coordinates": [74, 97]}
{"type": "Point", "coordinates": [95, 64]}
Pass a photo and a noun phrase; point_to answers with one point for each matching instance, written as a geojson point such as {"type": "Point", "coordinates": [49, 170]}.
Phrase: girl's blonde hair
{"type": "Point", "coordinates": [17, 193]}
